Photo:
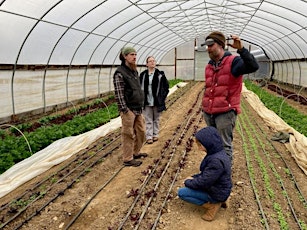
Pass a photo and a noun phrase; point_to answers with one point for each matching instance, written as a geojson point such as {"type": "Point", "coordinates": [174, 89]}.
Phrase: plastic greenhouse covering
{"type": "Point", "coordinates": [92, 32]}
{"type": "Point", "coordinates": [70, 48]}
{"type": "Point", "coordinates": [57, 52]}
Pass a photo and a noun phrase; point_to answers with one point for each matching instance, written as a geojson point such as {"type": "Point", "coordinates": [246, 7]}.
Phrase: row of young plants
{"type": "Point", "coordinates": [253, 143]}
{"type": "Point", "coordinates": [290, 115]}
{"type": "Point", "coordinates": [264, 173]}
{"type": "Point", "coordinates": [15, 148]}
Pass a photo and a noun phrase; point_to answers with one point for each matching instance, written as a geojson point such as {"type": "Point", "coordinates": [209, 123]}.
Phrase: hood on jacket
{"type": "Point", "coordinates": [210, 139]}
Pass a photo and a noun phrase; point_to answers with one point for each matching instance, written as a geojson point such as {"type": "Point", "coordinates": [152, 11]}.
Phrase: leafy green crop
{"type": "Point", "coordinates": [173, 82]}
{"type": "Point", "coordinates": [14, 149]}
{"type": "Point", "coordinates": [290, 115]}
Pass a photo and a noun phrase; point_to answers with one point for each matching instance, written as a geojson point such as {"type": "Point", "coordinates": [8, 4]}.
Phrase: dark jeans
{"type": "Point", "coordinates": [194, 196]}
{"type": "Point", "coordinates": [224, 123]}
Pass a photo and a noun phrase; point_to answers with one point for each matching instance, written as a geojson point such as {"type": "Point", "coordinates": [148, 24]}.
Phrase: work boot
{"type": "Point", "coordinates": [133, 163]}
{"type": "Point", "coordinates": [212, 209]}
{"type": "Point", "coordinates": [140, 155]}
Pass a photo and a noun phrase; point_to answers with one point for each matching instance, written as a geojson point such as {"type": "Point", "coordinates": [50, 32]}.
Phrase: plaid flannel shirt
{"type": "Point", "coordinates": [119, 87]}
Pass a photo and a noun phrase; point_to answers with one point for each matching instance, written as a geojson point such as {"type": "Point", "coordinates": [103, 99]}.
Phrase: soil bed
{"type": "Point", "coordinates": [111, 204]}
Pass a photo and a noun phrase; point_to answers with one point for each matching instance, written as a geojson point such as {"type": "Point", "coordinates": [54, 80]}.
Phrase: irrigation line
{"type": "Point", "coordinates": [167, 195]}
{"type": "Point", "coordinates": [153, 194]}
{"type": "Point", "coordinates": [249, 166]}
{"type": "Point", "coordinates": [171, 186]}
{"type": "Point", "coordinates": [274, 171]}
{"type": "Point", "coordinates": [170, 116]}
{"type": "Point", "coordinates": [287, 166]}
{"type": "Point", "coordinates": [172, 101]}
{"type": "Point", "coordinates": [146, 181]}
{"type": "Point", "coordinates": [282, 184]}
{"type": "Point", "coordinates": [265, 174]}
{"type": "Point", "coordinates": [49, 189]}
{"type": "Point", "coordinates": [90, 200]}
{"type": "Point", "coordinates": [62, 191]}
{"type": "Point", "coordinates": [162, 175]}
{"type": "Point", "coordinates": [54, 174]}
{"type": "Point", "coordinates": [291, 174]}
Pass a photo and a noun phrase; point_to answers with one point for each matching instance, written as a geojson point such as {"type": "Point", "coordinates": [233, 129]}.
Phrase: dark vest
{"type": "Point", "coordinates": [134, 96]}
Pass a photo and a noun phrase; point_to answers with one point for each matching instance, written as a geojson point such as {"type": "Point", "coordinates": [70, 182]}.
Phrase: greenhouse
{"type": "Point", "coordinates": [61, 126]}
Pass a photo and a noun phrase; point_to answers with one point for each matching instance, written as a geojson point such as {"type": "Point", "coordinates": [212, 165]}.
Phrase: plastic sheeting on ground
{"type": "Point", "coordinates": [297, 144]}
{"type": "Point", "coordinates": [56, 153]}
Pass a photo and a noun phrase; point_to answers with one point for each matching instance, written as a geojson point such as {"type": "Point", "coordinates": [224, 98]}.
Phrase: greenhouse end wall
{"type": "Point", "coordinates": [41, 91]}
{"type": "Point", "coordinates": [291, 72]}
{"type": "Point", "coordinates": [31, 90]}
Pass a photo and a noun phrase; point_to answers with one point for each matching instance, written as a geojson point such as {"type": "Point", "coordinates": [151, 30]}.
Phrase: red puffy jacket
{"type": "Point", "coordinates": [223, 90]}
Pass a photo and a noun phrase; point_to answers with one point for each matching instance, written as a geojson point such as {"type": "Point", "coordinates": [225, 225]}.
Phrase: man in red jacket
{"type": "Point", "coordinates": [223, 75]}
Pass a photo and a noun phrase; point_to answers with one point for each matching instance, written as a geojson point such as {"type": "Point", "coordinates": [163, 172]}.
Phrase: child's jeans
{"type": "Point", "coordinates": [194, 196]}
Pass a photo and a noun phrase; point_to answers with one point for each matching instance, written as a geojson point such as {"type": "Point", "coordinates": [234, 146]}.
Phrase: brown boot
{"type": "Point", "coordinates": [211, 211]}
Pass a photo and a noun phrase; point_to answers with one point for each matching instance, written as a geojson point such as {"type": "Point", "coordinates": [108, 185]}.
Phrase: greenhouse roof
{"type": "Point", "coordinates": [74, 32]}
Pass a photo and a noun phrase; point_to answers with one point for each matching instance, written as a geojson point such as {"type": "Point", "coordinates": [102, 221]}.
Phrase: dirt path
{"type": "Point", "coordinates": [111, 204]}
{"type": "Point", "coordinates": [179, 215]}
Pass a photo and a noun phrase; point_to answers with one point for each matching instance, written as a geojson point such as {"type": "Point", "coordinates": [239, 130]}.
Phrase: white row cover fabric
{"type": "Point", "coordinates": [81, 32]}
{"type": "Point", "coordinates": [56, 153]}
{"type": "Point", "coordinates": [297, 145]}
{"type": "Point", "coordinates": [50, 156]}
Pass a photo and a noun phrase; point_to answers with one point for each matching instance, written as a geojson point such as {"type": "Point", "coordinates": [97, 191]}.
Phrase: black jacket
{"type": "Point", "coordinates": [160, 88]}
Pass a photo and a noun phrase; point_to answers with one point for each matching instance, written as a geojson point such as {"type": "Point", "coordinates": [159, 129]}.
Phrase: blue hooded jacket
{"type": "Point", "coordinates": [215, 169]}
